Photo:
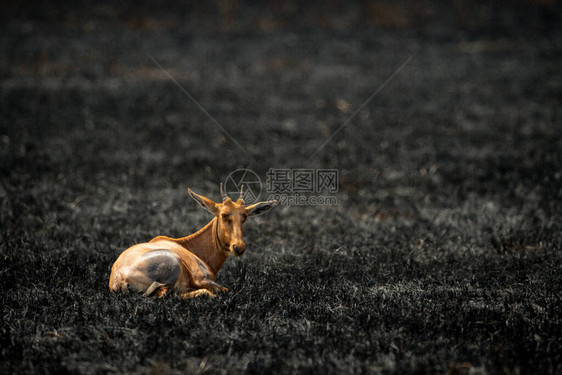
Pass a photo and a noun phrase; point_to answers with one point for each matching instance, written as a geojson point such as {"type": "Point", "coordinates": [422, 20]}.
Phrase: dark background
{"type": "Point", "coordinates": [441, 256]}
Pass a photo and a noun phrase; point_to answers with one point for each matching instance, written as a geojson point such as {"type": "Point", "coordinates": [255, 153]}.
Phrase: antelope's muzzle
{"type": "Point", "coordinates": [238, 250]}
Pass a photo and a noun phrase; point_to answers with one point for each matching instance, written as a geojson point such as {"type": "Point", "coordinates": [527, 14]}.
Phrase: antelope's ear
{"type": "Point", "coordinates": [205, 202]}
{"type": "Point", "coordinates": [260, 207]}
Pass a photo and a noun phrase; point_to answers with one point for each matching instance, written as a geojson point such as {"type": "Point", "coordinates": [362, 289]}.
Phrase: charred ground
{"type": "Point", "coordinates": [442, 254]}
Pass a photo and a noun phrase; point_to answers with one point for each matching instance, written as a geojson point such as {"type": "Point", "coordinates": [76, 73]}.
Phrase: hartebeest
{"type": "Point", "coordinates": [190, 264]}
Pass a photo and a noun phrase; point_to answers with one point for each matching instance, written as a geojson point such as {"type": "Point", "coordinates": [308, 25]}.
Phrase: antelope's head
{"type": "Point", "coordinates": [230, 216]}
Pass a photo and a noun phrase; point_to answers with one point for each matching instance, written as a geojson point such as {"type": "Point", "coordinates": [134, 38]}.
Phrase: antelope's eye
{"type": "Point", "coordinates": [226, 217]}
{"type": "Point", "coordinates": [244, 217]}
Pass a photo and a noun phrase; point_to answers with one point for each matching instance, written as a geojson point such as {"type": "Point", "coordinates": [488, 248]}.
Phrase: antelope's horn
{"type": "Point", "coordinates": [223, 194]}
{"type": "Point", "coordinates": [241, 192]}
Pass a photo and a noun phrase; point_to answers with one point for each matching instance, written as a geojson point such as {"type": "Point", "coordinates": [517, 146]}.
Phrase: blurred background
{"type": "Point", "coordinates": [274, 82]}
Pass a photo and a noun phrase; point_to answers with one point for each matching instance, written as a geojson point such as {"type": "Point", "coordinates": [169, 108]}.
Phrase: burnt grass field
{"type": "Point", "coordinates": [442, 254]}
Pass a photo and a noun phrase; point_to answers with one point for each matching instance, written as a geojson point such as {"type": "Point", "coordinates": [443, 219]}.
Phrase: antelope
{"type": "Point", "coordinates": [187, 265]}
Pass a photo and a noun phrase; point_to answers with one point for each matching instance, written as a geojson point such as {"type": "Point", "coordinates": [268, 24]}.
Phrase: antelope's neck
{"type": "Point", "coordinates": [206, 245]}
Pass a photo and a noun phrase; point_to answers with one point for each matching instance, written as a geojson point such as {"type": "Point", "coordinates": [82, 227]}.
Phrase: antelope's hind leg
{"type": "Point", "coordinates": [159, 270]}
{"type": "Point", "coordinates": [157, 289]}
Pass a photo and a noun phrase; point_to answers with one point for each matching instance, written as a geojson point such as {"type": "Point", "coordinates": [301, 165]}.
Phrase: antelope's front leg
{"type": "Point", "coordinates": [214, 287]}
{"type": "Point", "coordinates": [198, 293]}
{"type": "Point", "coordinates": [206, 287]}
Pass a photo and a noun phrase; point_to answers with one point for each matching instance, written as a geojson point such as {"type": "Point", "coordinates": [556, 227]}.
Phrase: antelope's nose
{"type": "Point", "coordinates": [238, 250]}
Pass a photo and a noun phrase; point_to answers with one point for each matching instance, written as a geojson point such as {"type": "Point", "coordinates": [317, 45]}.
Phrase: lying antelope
{"type": "Point", "coordinates": [190, 264]}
